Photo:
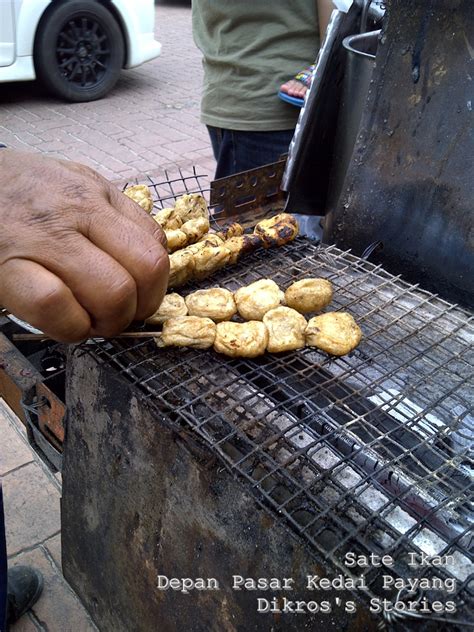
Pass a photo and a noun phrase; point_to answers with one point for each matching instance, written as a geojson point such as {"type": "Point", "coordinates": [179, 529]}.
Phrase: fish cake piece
{"type": "Point", "coordinates": [208, 259]}
{"type": "Point", "coordinates": [337, 333]}
{"type": "Point", "coordinates": [171, 306]}
{"type": "Point", "coordinates": [212, 239]}
{"type": "Point", "coordinates": [241, 340]}
{"type": "Point", "coordinates": [286, 329]}
{"type": "Point", "coordinates": [191, 206]}
{"type": "Point", "coordinates": [187, 331]}
{"type": "Point", "coordinates": [195, 228]}
{"type": "Point", "coordinates": [216, 303]}
{"type": "Point", "coordinates": [241, 245]}
{"type": "Point", "coordinates": [255, 300]}
{"type": "Point", "coordinates": [277, 230]}
{"type": "Point", "coordinates": [168, 219]}
{"type": "Point", "coordinates": [309, 295]}
{"type": "Point", "coordinates": [181, 267]}
{"type": "Point", "coordinates": [175, 239]}
{"type": "Point", "coordinates": [140, 194]}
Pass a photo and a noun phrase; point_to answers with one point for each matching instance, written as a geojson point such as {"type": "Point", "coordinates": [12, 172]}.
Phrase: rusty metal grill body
{"type": "Point", "coordinates": [369, 453]}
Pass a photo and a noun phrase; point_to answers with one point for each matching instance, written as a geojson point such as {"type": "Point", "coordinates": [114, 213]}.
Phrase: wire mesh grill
{"type": "Point", "coordinates": [166, 191]}
{"type": "Point", "coordinates": [367, 453]}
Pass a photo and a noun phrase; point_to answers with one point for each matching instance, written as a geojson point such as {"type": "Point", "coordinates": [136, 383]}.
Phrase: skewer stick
{"type": "Point", "coordinates": [126, 334]}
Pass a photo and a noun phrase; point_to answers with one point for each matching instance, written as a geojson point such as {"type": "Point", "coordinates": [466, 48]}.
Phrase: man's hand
{"type": "Point", "coordinates": [77, 257]}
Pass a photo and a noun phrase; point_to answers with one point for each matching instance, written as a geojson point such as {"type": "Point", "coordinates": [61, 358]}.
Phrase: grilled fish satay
{"type": "Point", "coordinates": [209, 259]}
{"type": "Point", "coordinates": [171, 306]}
{"type": "Point", "coordinates": [140, 194]}
{"type": "Point", "coordinates": [186, 223]}
{"type": "Point", "coordinates": [216, 303]}
{"type": "Point", "coordinates": [187, 331]}
{"type": "Point", "coordinates": [181, 267]}
{"type": "Point", "coordinates": [277, 230]}
{"type": "Point", "coordinates": [195, 229]}
{"type": "Point", "coordinates": [196, 262]}
{"type": "Point", "coordinates": [213, 239]}
{"type": "Point", "coordinates": [233, 230]}
{"type": "Point", "coordinates": [242, 245]}
{"type": "Point", "coordinates": [337, 333]}
{"type": "Point", "coordinates": [191, 206]}
{"type": "Point", "coordinates": [286, 329]}
{"type": "Point", "coordinates": [241, 340]}
{"type": "Point", "coordinates": [175, 239]}
{"type": "Point", "coordinates": [167, 219]}
{"type": "Point", "coordinates": [211, 253]}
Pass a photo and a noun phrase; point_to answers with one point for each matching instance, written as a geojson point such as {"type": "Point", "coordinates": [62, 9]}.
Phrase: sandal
{"type": "Point", "coordinates": [305, 78]}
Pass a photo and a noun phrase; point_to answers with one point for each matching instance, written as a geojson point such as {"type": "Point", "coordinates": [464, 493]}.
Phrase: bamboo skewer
{"type": "Point", "coordinates": [125, 334]}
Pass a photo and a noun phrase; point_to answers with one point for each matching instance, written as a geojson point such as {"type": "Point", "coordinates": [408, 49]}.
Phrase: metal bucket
{"type": "Point", "coordinates": [360, 60]}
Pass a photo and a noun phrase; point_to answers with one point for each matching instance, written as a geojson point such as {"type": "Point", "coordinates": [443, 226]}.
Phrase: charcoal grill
{"type": "Point", "coordinates": [173, 455]}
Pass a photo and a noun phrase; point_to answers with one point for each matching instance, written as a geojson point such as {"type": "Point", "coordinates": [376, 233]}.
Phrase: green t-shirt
{"type": "Point", "coordinates": [249, 49]}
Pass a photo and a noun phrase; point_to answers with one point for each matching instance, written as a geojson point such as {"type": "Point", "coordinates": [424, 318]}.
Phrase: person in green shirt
{"type": "Point", "coordinates": [249, 49]}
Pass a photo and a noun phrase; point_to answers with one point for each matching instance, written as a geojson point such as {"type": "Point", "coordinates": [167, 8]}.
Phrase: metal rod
{"type": "Point", "coordinates": [126, 334]}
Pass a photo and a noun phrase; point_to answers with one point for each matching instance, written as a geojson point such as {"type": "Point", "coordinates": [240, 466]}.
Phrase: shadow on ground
{"type": "Point", "coordinates": [173, 3]}
{"type": "Point", "coordinates": [31, 92]}
{"type": "Point", "coordinates": [23, 91]}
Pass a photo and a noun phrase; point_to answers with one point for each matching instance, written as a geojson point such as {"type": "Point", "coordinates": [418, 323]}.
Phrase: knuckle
{"type": "Point", "coordinates": [53, 299]}
{"type": "Point", "coordinates": [155, 263]}
{"type": "Point", "coordinates": [54, 305]}
{"type": "Point", "coordinates": [122, 292]}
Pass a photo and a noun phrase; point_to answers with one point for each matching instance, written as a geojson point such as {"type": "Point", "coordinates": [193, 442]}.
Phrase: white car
{"type": "Point", "coordinates": [77, 48]}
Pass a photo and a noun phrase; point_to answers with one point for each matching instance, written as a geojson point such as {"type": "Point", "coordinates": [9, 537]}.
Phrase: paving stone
{"type": "Point", "coordinates": [14, 421]}
{"type": "Point", "coordinates": [53, 546]}
{"type": "Point", "coordinates": [26, 624]}
{"type": "Point", "coordinates": [31, 507]}
{"type": "Point", "coordinates": [58, 608]}
{"type": "Point", "coordinates": [13, 449]}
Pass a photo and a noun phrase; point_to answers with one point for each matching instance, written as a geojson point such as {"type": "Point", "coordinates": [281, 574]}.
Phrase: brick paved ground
{"type": "Point", "coordinates": [149, 122]}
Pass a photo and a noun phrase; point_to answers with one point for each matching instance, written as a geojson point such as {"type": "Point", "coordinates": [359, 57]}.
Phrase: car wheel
{"type": "Point", "coordinates": [79, 50]}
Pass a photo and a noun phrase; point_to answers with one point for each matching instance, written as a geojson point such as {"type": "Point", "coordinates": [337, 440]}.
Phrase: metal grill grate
{"type": "Point", "coordinates": [166, 191]}
{"type": "Point", "coordinates": [368, 453]}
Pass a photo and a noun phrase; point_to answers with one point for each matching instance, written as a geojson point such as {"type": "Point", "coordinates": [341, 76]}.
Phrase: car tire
{"type": "Point", "coordinates": [79, 50]}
